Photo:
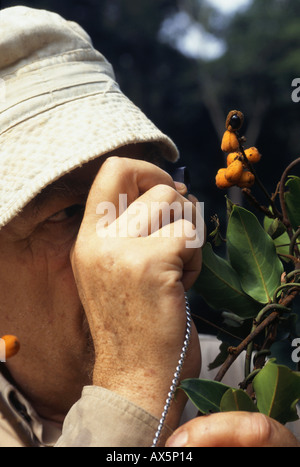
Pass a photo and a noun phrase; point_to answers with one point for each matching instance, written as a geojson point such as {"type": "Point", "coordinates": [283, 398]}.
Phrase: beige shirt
{"type": "Point", "coordinates": [100, 418]}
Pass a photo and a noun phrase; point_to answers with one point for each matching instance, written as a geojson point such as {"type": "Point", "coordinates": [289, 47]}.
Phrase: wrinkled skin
{"type": "Point", "coordinates": [108, 312]}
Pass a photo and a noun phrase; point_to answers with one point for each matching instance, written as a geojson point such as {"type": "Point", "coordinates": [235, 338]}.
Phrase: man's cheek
{"type": "Point", "coordinates": [47, 256]}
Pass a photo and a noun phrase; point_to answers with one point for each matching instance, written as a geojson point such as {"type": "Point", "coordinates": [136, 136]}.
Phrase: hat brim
{"type": "Point", "coordinates": [43, 148]}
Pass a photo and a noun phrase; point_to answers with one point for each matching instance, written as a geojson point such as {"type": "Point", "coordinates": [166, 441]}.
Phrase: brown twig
{"type": "Point", "coordinates": [257, 205]}
{"type": "Point", "coordinates": [290, 257]}
{"type": "Point", "coordinates": [251, 337]}
{"type": "Point", "coordinates": [294, 244]}
{"type": "Point", "coordinates": [241, 347]}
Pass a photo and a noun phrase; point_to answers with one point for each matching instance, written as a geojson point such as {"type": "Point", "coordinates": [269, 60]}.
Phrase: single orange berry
{"type": "Point", "coordinates": [12, 345]}
{"type": "Point", "coordinates": [232, 156]}
{"type": "Point", "coordinates": [234, 171]}
{"type": "Point", "coordinates": [253, 155]}
{"type": "Point", "coordinates": [247, 179]}
{"type": "Point", "coordinates": [221, 180]}
{"type": "Point", "coordinates": [230, 142]}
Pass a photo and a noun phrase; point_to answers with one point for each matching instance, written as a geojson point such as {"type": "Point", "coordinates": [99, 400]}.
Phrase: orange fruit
{"type": "Point", "coordinates": [253, 155]}
{"type": "Point", "coordinates": [234, 171]}
{"type": "Point", "coordinates": [12, 345]}
{"type": "Point", "coordinates": [232, 156]}
{"type": "Point", "coordinates": [247, 179]}
{"type": "Point", "coordinates": [230, 142]}
{"type": "Point", "coordinates": [221, 180]}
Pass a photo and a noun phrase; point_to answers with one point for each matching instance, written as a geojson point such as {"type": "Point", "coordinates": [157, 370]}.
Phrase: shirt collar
{"type": "Point", "coordinates": [28, 425]}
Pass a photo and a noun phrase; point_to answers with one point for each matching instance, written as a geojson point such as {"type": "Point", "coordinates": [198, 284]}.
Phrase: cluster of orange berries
{"type": "Point", "coordinates": [237, 172]}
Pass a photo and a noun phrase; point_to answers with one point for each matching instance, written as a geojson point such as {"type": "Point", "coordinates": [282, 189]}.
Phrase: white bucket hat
{"type": "Point", "coordinates": [59, 106]}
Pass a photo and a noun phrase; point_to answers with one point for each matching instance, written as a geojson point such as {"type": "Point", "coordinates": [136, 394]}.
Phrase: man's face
{"type": "Point", "coordinates": [39, 300]}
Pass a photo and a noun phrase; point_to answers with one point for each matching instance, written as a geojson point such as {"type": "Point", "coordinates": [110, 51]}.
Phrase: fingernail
{"type": "Point", "coordinates": [178, 440]}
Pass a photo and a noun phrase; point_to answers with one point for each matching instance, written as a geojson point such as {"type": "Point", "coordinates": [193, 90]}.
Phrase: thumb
{"type": "Point", "coordinates": [224, 430]}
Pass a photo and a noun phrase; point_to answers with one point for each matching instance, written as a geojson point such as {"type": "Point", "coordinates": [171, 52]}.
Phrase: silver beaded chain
{"type": "Point", "coordinates": [176, 376]}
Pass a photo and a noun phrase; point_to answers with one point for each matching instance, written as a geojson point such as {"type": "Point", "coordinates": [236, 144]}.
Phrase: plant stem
{"type": "Point", "coordinates": [285, 217]}
{"type": "Point", "coordinates": [248, 359]}
{"type": "Point", "coordinates": [239, 349]}
{"type": "Point", "coordinates": [290, 285]}
{"type": "Point", "coordinates": [256, 322]}
{"type": "Point", "coordinates": [294, 273]}
{"type": "Point", "coordinates": [256, 331]}
{"type": "Point", "coordinates": [290, 257]}
{"type": "Point", "coordinates": [294, 244]}
{"type": "Point", "coordinates": [219, 328]}
{"type": "Point", "coordinates": [256, 204]}
{"type": "Point", "coordinates": [248, 379]}
{"type": "Point", "coordinates": [259, 182]}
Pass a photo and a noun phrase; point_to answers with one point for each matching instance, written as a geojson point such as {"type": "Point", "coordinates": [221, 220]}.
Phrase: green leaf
{"type": "Point", "coordinates": [206, 395]}
{"type": "Point", "coordinates": [292, 197]}
{"type": "Point", "coordinates": [277, 390]}
{"type": "Point", "coordinates": [220, 358]}
{"type": "Point", "coordinates": [219, 285]}
{"type": "Point", "coordinates": [276, 229]}
{"type": "Point", "coordinates": [281, 243]}
{"type": "Point", "coordinates": [253, 255]}
{"type": "Point", "coordinates": [237, 400]}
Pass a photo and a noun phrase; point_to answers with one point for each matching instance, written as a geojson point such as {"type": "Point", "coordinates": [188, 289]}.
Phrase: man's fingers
{"type": "Point", "coordinates": [182, 239]}
{"type": "Point", "coordinates": [232, 429]}
{"type": "Point", "coordinates": [124, 176]}
{"type": "Point", "coordinates": [160, 206]}
{"type": "Point", "coordinates": [139, 198]}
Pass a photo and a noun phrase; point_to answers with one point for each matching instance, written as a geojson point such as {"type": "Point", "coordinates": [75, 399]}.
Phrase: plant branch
{"type": "Point", "coordinates": [240, 348]}
{"type": "Point", "coordinates": [289, 286]}
{"type": "Point", "coordinates": [256, 204]}
{"type": "Point", "coordinates": [285, 217]}
{"type": "Point", "coordinates": [294, 244]}
{"type": "Point", "coordinates": [290, 257]}
{"type": "Point", "coordinates": [294, 273]}
{"type": "Point", "coordinates": [271, 319]}
{"type": "Point", "coordinates": [256, 322]}
{"type": "Point", "coordinates": [219, 328]}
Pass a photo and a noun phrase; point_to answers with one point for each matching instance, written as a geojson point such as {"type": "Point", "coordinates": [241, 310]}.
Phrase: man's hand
{"type": "Point", "coordinates": [132, 287]}
{"type": "Point", "coordinates": [232, 429]}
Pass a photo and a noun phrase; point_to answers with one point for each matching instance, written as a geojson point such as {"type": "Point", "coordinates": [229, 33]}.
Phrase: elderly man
{"type": "Point", "coordinates": [101, 318]}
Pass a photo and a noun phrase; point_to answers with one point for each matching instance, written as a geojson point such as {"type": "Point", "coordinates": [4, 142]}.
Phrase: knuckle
{"type": "Point", "coordinates": [186, 229]}
{"type": "Point", "coordinates": [112, 163]}
{"type": "Point", "coordinates": [117, 166]}
{"type": "Point", "coordinates": [164, 193]}
{"type": "Point", "coordinates": [188, 226]}
{"type": "Point", "coordinates": [262, 427]}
